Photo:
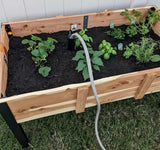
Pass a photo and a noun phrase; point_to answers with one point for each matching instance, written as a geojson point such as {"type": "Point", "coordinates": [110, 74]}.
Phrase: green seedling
{"type": "Point", "coordinates": [85, 37]}
{"type": "Point", "coordinates": [96, 61]}
{"type": "Point", "coordinates": [40, 50]}
{"type": "Point", "coordinates": [106, 49]}
{"type": "Point", "coordinates": [143, 51]}
{"type": "Point", "coordinates": [117, 33]}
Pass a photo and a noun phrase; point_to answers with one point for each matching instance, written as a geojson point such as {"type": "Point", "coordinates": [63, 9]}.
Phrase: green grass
{"type": "Point", "coordinates": [123, 125]}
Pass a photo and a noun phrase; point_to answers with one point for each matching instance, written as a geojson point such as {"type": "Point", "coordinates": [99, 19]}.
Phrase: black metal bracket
{"type": "Point", "coordinates": [13, 125]}
{"type": "Point", "coordinates": [5, 60]}
{"type": "Point", "coordinates": [8, 30]}
{"type": "Point", "coordinates": [85, 22]}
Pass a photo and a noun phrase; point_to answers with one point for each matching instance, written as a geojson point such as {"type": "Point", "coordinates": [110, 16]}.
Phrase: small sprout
{"type": "Point", "coordinates": [106, 49]}
{"type": "Point", "coordinates": [120, 46]}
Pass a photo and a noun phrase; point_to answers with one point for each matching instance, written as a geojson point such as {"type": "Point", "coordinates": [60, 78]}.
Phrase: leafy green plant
{"type": "Point", "coordinates": [142, 50]}
{"type": "Point", "coordinates": [85, 37]}
{"type": "Point", "coordinates": [96, 61]}
{"type": "Point", "coordinates": [133, 16]}
{"type": "Point", "coordinates": [146, 23]}
{"type": "Point", "coordinates": [131, 30]}
{"type": "Point", "coordinates": [106, 49]}
{"type": "Point", "coordinates": [40, 50]}
{"type": "Point", "coordinates": [117, 33]}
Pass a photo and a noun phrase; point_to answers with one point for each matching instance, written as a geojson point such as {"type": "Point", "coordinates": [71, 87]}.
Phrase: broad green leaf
{"type": "Point", "coordinates": [85, 73]}
{"type": "Point", "coordinates": [77, 43]}
{"type": "Point", "coordinates": [43, 52]}
{"type": "Point", "coordinates": [88, 45]}
{"type": "Point", "coordinates": [35, 52]}
{"type": "Point", "coordinates": [44, 71]}
{"type": "Point", "coordinates": [97, 61]}
{"type": "Point", "coordinates": [25, 41]}
{"type": "Point", "coordinates": [155, 58]}
{"type": "Point", "coordinates": [80, 66]}
{"type": "Point", "coordinates": [85, 38]}
{"type": "Point", "coordinates": [98, 53]}
{"type": "Point", "coordinates": [36, 38]}
{"type": "Point", "coordinates": [96, 67]}
{"type": "Point", "coordinates": [79, 55]}
{"type": "Point", "coordinates": [52, 47]}
{"type": "Point", "coordinates": [100, 46]}
{"type": "Point", "coordinates": [91, 39]}
{"type": "Point", "coordinates": [31, 43]}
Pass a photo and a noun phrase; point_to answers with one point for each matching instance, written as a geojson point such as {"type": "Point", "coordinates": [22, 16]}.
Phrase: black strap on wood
{"type": "Point", "coordinates": [85, 22]}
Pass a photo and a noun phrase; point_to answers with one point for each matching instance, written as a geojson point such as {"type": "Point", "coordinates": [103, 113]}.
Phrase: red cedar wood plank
{"type": "Point", "coordinates": [4, 38]}
{"type": "Point", "coordinates": [110, 97]}
{"type": "Point", "coordinates": [38, 106]}
{"type": "Point", "coordinates": [50, 25]}
{"type": "Point", "coordinates": [82, 93]}
{"type": "Point", "coordinates": [146, 83]}
{"type": "Point", "coordinates": [3, 74]}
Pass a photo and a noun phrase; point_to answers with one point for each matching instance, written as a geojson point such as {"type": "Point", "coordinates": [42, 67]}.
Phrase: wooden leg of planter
{"type": "Point", "coordinates": [11, 122]}
{"type": "Point", "coordinates": [145, 85]}
{"type": "Point", "coordinates": [82, 93]}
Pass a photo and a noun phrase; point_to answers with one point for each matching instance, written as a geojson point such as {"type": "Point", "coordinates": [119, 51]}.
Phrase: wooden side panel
{"type": "Point", "coordinates": [3, 75]}
{"type": "Point", "coordinates": [4, 46]}
{"type": "Point", "coordinates": [156, 28]}
{"type": "Point", "coordinates": [82, 93]}
{"type": "Point", "coordinates": [44, 103]}
{"type": "Point", "coordinates": [51, 25]}
{"type": "Point", "coordinates": [4, 38]}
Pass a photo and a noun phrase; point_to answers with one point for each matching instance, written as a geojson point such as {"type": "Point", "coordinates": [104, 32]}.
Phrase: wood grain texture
{"type": "Point", "coordinates": [4, 46]}
{"type": "Point", "coordinates": [4, 38]}
{"type": "Point", "coordinates": [144, 86]}
{"type": "Point", "coordinates": [50, 25]}
{"type": "Point", "coordinates": [82, 93]}
{"type": "Point", "coordinates": [3, 74]}
{"type": "Point", "coordinates": [48, 102]}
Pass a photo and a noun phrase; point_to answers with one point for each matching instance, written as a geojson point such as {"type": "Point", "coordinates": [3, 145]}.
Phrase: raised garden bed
{"type": "Point", "coordinates": [118, 79]}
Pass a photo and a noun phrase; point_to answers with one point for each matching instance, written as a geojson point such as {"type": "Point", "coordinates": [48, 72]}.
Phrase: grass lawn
{"type": "Point", "coordinates": [123, 125]}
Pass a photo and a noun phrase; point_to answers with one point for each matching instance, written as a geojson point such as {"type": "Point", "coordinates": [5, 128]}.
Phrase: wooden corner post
{"type": "Point", "coordinates": [144, 86]}
{"type": "Point", "coordinates": [82, 93]}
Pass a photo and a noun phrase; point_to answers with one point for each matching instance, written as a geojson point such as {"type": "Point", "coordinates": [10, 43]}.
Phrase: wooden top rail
{"type": "Point", "coordinates": [63, 23]}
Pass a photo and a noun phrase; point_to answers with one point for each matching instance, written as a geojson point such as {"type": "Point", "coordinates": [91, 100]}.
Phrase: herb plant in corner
{"type": "Point", "coordinates": [40, 50]}
{"type": "Point", "coordinates": [143, 51]}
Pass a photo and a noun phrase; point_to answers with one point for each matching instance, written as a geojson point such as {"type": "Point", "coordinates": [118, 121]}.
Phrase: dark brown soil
{"type": "Point", "coordinates": [23, 76]}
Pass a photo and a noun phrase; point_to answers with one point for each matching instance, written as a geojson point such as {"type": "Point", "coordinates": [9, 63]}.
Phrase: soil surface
{"type": "Point", "coordinates": [23, 76]}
